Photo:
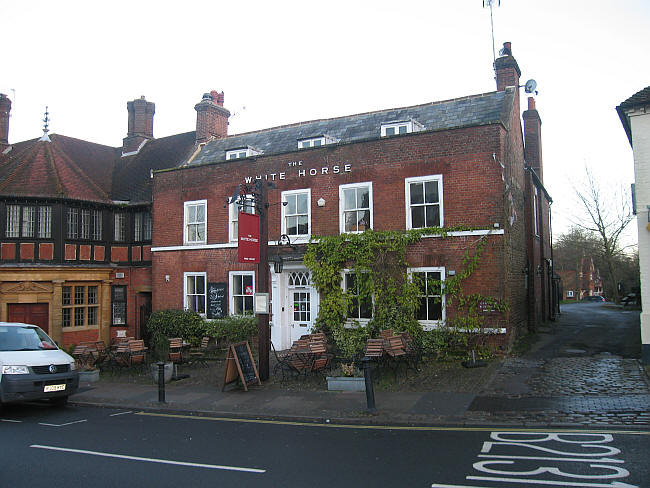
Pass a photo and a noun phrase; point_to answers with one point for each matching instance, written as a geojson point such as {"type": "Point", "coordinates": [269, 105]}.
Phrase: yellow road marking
{"type": "Point", "coordinates": [392, 427]}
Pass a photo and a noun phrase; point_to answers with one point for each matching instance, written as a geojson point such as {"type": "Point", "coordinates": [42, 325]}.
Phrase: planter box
{"type": "Point", "coordinates": [89, 376]}
{"type": "Point", "coordinates": [169, 372]}
{"type": "Point", "coordinates": [345, 383]}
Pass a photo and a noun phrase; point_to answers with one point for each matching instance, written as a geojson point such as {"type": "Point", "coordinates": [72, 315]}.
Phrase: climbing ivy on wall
{"type": "Point", "coordinates": [378, 261]}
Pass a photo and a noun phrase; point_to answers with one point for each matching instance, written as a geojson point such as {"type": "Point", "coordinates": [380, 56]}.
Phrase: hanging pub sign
{"type": "Point", "coordinates": [248, 238]}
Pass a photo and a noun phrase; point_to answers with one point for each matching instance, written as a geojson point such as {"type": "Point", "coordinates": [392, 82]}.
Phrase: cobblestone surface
{"type": "Point", "coordinates": [598, 390]}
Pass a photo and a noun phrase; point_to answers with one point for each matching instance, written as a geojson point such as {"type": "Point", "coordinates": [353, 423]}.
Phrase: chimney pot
{"type": "Point", "coordinates": [531, 103]}
{"type": "Point", "coordinates": [507, 48]}
{"type": "Point", "coordinates": [211, 117]}
{"type": "Point", "coordinates": [5, 110]}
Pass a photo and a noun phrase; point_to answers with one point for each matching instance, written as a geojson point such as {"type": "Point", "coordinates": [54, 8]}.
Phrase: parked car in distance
{"type": "Point", "coordinates": [32, 367]}
{"type": "Point", "coordinates": [594, 298]}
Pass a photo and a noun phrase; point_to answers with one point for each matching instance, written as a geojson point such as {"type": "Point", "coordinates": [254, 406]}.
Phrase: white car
{"type": "Point", "coordinates": [32, 367]}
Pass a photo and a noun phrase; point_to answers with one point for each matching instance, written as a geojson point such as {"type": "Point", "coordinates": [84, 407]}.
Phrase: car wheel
{"type": "Point", "coordinates": [59, 401]}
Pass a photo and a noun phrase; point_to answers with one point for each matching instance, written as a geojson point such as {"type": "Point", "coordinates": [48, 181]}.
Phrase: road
{"type": "Point", "coordinates": [590, 328]}
{"type": "Point", "coordinates": [43, 446]}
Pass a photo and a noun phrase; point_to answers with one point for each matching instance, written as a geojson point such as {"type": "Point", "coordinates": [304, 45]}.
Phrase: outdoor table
{"type": "Point", "coordinates": [301, 359]}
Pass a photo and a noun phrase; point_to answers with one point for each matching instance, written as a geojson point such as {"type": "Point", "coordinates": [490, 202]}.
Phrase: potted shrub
{"type": "Point", "coordinates": [346, 378]}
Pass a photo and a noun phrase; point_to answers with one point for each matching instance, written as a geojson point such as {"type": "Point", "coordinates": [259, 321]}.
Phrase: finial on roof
{"type": "Point", "coordinates": [46, 125]}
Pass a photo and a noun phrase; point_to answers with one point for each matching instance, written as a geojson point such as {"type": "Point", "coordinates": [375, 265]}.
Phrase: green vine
{"type": "Point", "coordinates": [378, 261]}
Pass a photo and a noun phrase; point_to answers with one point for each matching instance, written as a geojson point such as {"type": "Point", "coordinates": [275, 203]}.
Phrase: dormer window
{"type": "Point", "coordinates": [316, 141]}
{"type": "Point", "coordinates": [242, 152]}
{"type": "Point", "coordinates": [400, 127]}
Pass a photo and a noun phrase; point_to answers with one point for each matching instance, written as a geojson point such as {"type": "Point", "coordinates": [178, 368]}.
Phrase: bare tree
{"type": "Point", "coordinates": [608, 214]}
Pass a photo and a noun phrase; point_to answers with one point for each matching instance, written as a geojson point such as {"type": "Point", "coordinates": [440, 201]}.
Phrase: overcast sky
{"type": "Point", "coordinates": [280, 62]}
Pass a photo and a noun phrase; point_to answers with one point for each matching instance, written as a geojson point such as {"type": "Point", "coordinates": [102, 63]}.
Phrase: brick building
{"type": "Point", "coordinates": [75, 228]}
{"type": "Point", "coordinates": [466, 163]}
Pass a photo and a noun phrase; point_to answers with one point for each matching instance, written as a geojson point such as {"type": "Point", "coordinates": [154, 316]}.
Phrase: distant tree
{"type": "Point", "coordinates": [570, 248]}
{"type": "Point", "coordinates": [607, 214]}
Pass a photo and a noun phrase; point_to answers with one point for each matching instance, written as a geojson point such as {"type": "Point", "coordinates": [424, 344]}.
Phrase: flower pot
{"type": "Point", "coordinates": [169, 372]}
{"type": "Point", "coordinates": [89, 376]}
{"type": "Point", "coordinates": [346, 383]}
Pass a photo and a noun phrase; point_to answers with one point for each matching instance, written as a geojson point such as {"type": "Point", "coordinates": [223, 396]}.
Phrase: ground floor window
{"type": "Point", "coordinates": [119, 304]}
{"type": "Point", "coordinates": [195, 296]}
{"type": "Point", "coordinates": [80, 305]}
{"type": "Point", "coordinates": [569, 294]}
{"type": "Point", "coordinates": [360, 307]}
{"type": "Point", "coordinates": [431, 300]}
{"type": "Point", "coordinates": [242, 289]}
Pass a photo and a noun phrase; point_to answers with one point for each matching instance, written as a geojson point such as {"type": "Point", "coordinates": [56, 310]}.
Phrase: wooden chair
{"type": "Point", "coordinates": [200, 355]}
{"type": "Point", "coordinates": [81, 355]}
{"type": "Point", "coordinates": [413, 352]}
{"type": "Point", "coordinates": [375, 348]}
{"type": "Point", "coordinates": [137, 352]}
{"type": "Point", "coordinates": [385, 334]}
{"type": "Point", "coordinates": [282, 363]}
{"type": "Point", "coordinates": [322, 359]}
{"type": "Point", "coordinates": [176, 350]}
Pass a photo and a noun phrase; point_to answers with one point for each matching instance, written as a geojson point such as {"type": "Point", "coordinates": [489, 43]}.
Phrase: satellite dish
{"type": "Point", "coordinates": [530, 86]}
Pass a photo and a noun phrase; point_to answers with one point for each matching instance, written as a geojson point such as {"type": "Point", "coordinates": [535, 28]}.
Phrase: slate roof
{"type": "Point", "coordinates": [132, 175]}
{"type": "Point", "coordinates": [73, 169]}
{"type": "Point", "coordinates": [488, 108]}
{"type": "Point", "coordinates": [640, 98]}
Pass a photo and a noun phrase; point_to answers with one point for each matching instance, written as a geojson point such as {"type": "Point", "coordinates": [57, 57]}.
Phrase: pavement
{"type": "Point", "coordinates": [519, 393]}
{"type": "Point", "coordinates": [597, 391]}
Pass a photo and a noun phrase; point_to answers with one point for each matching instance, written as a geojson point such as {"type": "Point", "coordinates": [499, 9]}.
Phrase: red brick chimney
{"type": "Point", "coordinates": [507, 69]}
{"type": "Point", "coordinates": [533, 138]}
{"type": "Point", "coordinates": [140, 124]}
{"type": "Point", "coordinates": [5, 110]}
{"type": "Point", "coordinates": [211, 117]}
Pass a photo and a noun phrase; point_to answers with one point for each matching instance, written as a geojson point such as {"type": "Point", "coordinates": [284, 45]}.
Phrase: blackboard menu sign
{"type": "Point", "coordinates": [217, 300]}
{"type": "Point", "coordinates": [240, 365]}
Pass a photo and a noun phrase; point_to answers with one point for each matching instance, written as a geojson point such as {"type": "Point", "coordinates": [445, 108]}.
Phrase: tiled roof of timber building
{"type": "Point", "coordinates": [476, 110]}
{"type": "Point", "coordinates": [73, 169]}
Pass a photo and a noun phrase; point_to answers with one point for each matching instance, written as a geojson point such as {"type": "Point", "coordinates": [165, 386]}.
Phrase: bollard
{"type": "Point", "coordinates": [370, 392]}
{"type": "Point", "coordinates": [161, 382]}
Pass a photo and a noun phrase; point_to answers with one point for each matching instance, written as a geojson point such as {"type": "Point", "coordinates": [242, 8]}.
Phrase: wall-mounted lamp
{"type": "Point", "coordinates": [321, 202]}
{"type": "Point", "coordinates": [167, 278]}
{"type": "Point", "coordinates": [278, 265]}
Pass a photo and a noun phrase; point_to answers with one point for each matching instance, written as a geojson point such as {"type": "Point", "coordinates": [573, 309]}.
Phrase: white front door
{"type": "Point", "coordinates": [301, 310]}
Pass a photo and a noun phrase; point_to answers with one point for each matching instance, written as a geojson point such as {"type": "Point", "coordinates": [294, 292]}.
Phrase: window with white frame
{"type": "Point", "coordinates": [400, 127]}
{"type": "Point", "coordinates": [423, 201]}
{"type": "Point", "coordinates": [13, 221]}
{"type": "Point", "coordinates": [195, 292]}
{"type": "Point", "coordinates": [316, 141]}
{"type": "Point", "coordinates": [431, 309]}
{"type": "Point", "coordinates": [30, 221]}
{"type": "Point", "coordinates": [248, 207]}
{"type": "Point", "coordinates": [242, 291]}
{"type": "Point", "coordinates": [360, 305]}
{"type": "Point", "coordinates": [242, 152]}
{"type": "Point", "coordinates": [195, 227]}
{"type": "Point", "coordinates": [296, 214]}
{"type": "Point", "coordinates": [121, 219]}
{"type": "Point", "coordinates": [45, 222]}
{"type": "Point", "coordinates": [569, 294]}
{"type": "Point", "coordinates": [355, 207]}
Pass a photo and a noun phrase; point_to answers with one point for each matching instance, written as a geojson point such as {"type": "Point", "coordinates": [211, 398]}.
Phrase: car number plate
{"type": "Point", "coordinates": [54, 388]}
